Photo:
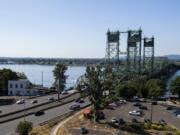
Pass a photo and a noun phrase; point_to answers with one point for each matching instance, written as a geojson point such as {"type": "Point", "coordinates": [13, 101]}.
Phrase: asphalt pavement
{"type": "Point", "coordinates": [15, 107]}
{"type": "Point", "coordinates": [8, 128]}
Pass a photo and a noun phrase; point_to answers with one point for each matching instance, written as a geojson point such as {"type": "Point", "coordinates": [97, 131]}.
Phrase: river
{"type": "Point", "coordinates": [34, 73]}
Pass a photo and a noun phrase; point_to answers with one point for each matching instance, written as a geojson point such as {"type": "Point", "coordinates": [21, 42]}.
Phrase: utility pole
{"type": "Point", "coordinates": [151, 113]}
{"type": "Point", "coordinates": [42, 78]}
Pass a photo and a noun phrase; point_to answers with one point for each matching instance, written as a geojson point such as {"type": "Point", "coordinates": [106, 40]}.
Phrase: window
{"type": "Point", "coordinates": [21, 86]}
{"type": "Point", "coordinates": [16, 86]}
{"type": "Point", "coordinates": [11, 86]}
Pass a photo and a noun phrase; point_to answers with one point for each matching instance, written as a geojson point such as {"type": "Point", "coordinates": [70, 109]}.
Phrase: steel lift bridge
{"type": "Point", "coordinates": [135, 61]}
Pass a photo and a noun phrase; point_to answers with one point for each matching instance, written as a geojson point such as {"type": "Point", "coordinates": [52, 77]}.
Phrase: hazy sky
{"type": "Point", "coordinates": [77, 28]}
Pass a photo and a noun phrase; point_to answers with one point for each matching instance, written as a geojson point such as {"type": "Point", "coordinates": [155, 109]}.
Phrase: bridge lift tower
{"type": "Point", "coordinates": [148, 54]}
{"type": "Point", "coordinates": [112, 48]}
{"type": "Point", "coordinates": [134, 51]}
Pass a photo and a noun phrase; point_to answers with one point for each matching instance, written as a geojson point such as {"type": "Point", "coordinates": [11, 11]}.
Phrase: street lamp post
{"type": "Point", "coordinates": [151, 117]}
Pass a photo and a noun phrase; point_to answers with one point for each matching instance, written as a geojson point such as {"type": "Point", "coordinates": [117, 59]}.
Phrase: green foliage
{"type": "Point", "coordinates": [96, 82]}
{"type": "Point", "coordinates": [157, 127]}
{"type": "Point", "coordinates": [23, 128]}
{"type": "Point", "coordinates": [177, 132]}
{"type": "Point", "coordinates": [8, 74]}
{"type": "Point", "coordinates": [175, 86]}
{"type": "Point", "coordinates": [60, 77]}
{"type": "Point", "coordinates": [127, 89]}
{"type": "Point", "coordinates": [154, 88]}
{"type": "Point", "coordinates": [21, 75]}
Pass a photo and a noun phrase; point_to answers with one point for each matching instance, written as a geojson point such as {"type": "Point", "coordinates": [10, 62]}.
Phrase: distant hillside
{"type": "Point", "coordinates": [173, 57]}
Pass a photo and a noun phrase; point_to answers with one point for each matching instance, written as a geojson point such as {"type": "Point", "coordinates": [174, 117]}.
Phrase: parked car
{"type": "Point", "coordinates": [117, 121]}
{"type": "Point", "coordinates": [114, 120]}
{"type": "Point", "coordinates": [39, 113]}
{"type": "Point", "coordinates": [169, 108]}
{"type": "Point", "coordinates": [176, 112]}
{"type": "Point", "coordinates": [122, 101]}
{"type": "Point", "coordinates": [154, 103]}
{"type": "Point", "coordinates": [0, 111]}
{"type": "Point", "coordinates": [114, 104]}
{"type": "Point", "coordinates": [162, 122]}
{"type": "Point", "coordinates": [51, 98]}
{"type": "Point", "coordinates": [34, 101]}
{"type": "Point", "coordinates": [137, 104]}
{"type": "Point", "coordinates": [136, 113]}
{"type": "Point", "coordinates": [121, 121]}
{"type": "Point", "coordinates": [74, 107]}
{"type": "Point", "coordinates": [65, 92]}
{"type": "Point", "coordinates": [21, 101]}
{"type": "Point", "coordinates": [143, 107]}
{"type": "Point", "coordinates": [83, 130]}
{"type": "Point", "coordinates": [109, 107]}
{"type": "Point", "coordinates": [147, 120]}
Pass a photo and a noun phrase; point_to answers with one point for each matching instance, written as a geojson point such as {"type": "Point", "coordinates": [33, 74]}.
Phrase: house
{"type": "Point", "coordinates": [20, 87]}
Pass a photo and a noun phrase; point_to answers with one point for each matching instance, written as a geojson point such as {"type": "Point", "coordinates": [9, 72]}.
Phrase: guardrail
{"type": "Point", "coordinates": [35, 106]}
{"type": "Point", "coordinates": [57, 119]}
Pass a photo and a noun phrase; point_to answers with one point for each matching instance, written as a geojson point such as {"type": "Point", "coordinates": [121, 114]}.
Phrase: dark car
{"type": "Point", "coordinates": [143, 107]}
{"type": "Point", "coordinates": [169, 108]}
{"type": "Point", "coordinates": [83, 130]}
{"type": "Point", "coordinates": [162, 122]}
{"type": "Point", "coordinates": [154, 103]}
{"type": "Point", "coordinates": [79, 100]}
{"type": "Point", "coordinates": [121, 121]}
{"type": "Point", "coordinates": [137, 104]}
{"type": "Point", "coordinates": [176, 112]}
{"type": "Point", "coordinates": [147, 120]}
{"type": "Point", "coordinates": [74, 107]}
{"type": "Point", "coordinates": [39, 113]}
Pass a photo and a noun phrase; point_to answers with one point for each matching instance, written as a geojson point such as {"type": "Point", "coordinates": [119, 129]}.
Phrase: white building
{"type": "Point", "coordinates": [20, 87]}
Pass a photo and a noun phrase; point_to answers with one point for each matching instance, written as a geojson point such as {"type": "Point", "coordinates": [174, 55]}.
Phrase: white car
{"type": "Point", "coordinates": [135, 113]}
{"type": "Point", "coordinates": [122, 101]}
{"type": "Point", "coordinates": [51, 98]}
{"type": "Point", "coordinates": [22, 101]}
{"type": "Point", "coordinates": [34, 101]}
{"type": "Point", "coordinates": [64, 92]}
{"type": "Point", "coordinates": [114, 120]}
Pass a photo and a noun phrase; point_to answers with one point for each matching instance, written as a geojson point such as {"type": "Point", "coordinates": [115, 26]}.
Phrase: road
{"type": "Point", "coordinates": [8, 128]}
{"type": "Point", "coordinates": [15, 107]}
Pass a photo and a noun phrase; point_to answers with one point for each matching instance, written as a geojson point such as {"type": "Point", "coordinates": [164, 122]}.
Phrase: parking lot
{"type": "Point", "coordinates": [159, 112]}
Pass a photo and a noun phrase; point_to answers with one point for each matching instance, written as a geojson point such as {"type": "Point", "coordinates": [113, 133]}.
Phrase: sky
{"type": "Point", "coordinates": [77, 28]}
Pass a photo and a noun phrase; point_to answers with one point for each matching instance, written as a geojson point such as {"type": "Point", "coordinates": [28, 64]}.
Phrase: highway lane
{"type": "Point", "coordinates": [42, 107]}
{"type": "Point", "coordinates": [15, 107]}
{"type": "Point", "coordinates": [8, 128]}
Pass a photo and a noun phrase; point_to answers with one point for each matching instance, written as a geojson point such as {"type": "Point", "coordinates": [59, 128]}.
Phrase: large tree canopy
{"type": "Point", "coordinates": [175, 86]}
{"type": "Point", "coordinates": [60, 77]}
{"type": "Point", "coordinates": [6, 75]}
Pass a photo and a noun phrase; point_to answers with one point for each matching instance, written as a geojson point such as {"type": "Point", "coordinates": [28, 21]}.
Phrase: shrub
{"type": "Point", "coordinates": [157, 127]}
{"type": "Point", "coordinates": [136, 126]}
{"type": "Point", "coordinates": [23, 128]}
{"type": "Point", "coordinates": [177, 132]}
{"type": "Point", "coordinates": [147, 126]}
